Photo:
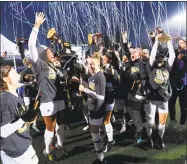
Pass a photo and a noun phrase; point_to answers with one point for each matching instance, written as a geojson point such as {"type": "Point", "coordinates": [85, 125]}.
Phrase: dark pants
{"type": "Point", "coordinates": [182, 102]}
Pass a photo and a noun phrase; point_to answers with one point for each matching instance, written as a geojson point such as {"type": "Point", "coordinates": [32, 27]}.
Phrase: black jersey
{"type": "Point", "coordinates": [11, 108]}
{"type": "Point", "coordinates": [159, 88]}
{"type": "Point", "coordinates": [96, 94]}
{"type": "Point", "coordinates": [49, 82]}
{"type": "Point", "coordinates": [112, 82]}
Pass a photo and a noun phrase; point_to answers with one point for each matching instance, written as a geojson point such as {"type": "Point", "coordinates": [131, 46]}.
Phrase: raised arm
{"type": "Point", "coordinates": [153, 53]}
{"type": "Point", "coordinates": [33, 36]}
{"type": "Point", "coordinates": [171, 53]}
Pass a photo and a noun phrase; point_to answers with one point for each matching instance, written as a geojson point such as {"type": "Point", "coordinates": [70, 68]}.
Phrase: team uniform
{"type": "Point", "coordinates": [16, 142]}
{"type": "Point", "coordinates": [111, 83]}
{"type": "Point", "coordinates": [136, 96]}
{"type": "Point", "coordinates": [95, 104]}
{"type": "Point", "coordinates": [159, 91]}
{"type": "Point", "coordinates": [50, 89]}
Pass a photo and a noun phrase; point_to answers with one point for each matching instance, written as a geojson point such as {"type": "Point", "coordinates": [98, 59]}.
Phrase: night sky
{"type": "Point", "coordinates": [12, 28]}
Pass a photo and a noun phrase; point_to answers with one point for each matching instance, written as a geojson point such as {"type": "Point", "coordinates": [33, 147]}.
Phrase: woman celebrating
{"type": "Point", "coordinates": [14, 121]}
{"type": "Point", "coordinates": [111, 76]}
{"type": "Point", "coordinates": [136, 95]}
{"type": "Point", "coordinates": [52, 103]}
{"type": "Point", "coordinates": [96, 95]}
{"type": "Point", "coordinates": [159, 90]}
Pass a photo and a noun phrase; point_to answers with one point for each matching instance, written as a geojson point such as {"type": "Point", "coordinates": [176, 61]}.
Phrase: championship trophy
{"type": "Point", "coordinates": [95, 38]}
{"type": "Point", "coordinates": [52, 35]}
{"type": "Point", "coordinates": [164, 37]}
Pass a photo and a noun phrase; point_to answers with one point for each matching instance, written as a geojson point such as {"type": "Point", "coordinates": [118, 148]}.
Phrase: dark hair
{"type": "Point", "coordinates": [4, 70]}
{"type": "Point", "coordinates": [43, 55]}
{"type": "Point", "coordinates": [112, 59]}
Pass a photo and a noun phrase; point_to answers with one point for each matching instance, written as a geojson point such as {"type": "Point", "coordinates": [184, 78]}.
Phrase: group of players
{"type": "Point", "coordinates": [137, 83]}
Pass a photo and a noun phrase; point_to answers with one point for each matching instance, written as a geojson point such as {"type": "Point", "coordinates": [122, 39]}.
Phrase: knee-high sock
{"type": "Point", "coordinates": [161, 130]}
{"type": "Point", "coordinates": [48, 138]}
{"type": "Point", "coordinates": [60, 134]}
{"type": "Point", "coordinates": [109, 131]}
{"type": "Point", "coordinates": [121, 115]}
{"type": "Point", "coordinates": [98, 146]}
{"type": "Point", "coordinates": [129, 110]}
{"type": "Point", "coordinates": [149, 129]}
{"type": "Point", "coordinates": [113, 119]}
{"type": "Point", "coordinates": [124, 119]}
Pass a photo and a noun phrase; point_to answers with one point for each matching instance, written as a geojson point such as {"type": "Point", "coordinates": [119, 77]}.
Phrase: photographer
{"type": "Point", "coordinates": [159, 89]}
{"type": "Point", "coordinates": [49, 77]}
{"type": "Point", "coordinates": [30, 87]}
{"type": "Point", "coordinates": [15, 118]}
{"type": "Point", "coordinates": [179, 85]}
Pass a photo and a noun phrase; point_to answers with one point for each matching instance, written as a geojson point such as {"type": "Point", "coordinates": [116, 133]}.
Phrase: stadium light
{"type": "Point", "coordinates": [180, 17]}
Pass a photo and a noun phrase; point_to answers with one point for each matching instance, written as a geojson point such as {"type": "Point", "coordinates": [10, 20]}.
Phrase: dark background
{"type": "Point", "coordinates": [74, 20]}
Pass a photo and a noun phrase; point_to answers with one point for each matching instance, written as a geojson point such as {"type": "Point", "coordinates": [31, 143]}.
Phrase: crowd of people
{"type": "Point", "coordinates": [142, 86]}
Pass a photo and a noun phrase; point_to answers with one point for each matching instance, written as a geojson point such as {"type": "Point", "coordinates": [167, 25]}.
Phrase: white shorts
{"type": "Point", "coordinates": [96, 122]}
{"type": "Point", "coordinates": [120, 104]}
{"type": "Point", "coordinates": [51, 108]}
{"type": "Point", "coordinates": [26, 101]}
{"type": "Point", "coordinates": [160, 106]}
{"type": "Point", "coordinates": [109, 107]}
{"type": "Point", "coordinates": [29, 157]}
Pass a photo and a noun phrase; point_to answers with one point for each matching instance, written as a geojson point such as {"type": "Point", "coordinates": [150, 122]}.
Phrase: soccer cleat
{"type": "Point", "coordinates": [123, 129]}
{"type": "Point", "coordinates": [161, 143]}
{"type": "Point", "coordinates": [108, 146]}
{"type": "Point", "coordinates": [86, 128]}
{"type": "Point", "coordinates": [61, 148]}
{"type": "Point", "coordinates": [139, 138]}
{"type": "Point", "coordinates": [150, 142]}
{"type": "Point", "coordinates": [50, 157]}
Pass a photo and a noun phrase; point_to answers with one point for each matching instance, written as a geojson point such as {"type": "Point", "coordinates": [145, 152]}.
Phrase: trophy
{"type": "Point", "coordinates": [124, 36]}
{"type": "Point", "coordinates": [94, 38]}
{"type": "Point", "coordinates": [52, 35]}
{"type": "Point", "coordinates": [164, 37]}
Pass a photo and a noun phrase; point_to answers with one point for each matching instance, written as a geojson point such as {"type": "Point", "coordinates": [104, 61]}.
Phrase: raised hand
{"type": "Point", "coordinates": [39, 19]}
{"type": "Point", "coordinates": [4, 54]}
{"type": "Point", "coordinates": [158, 36]}
{"type": "Point", "coordinates": [124, 37]}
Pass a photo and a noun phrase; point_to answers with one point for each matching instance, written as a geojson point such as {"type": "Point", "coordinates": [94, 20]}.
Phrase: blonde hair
{"type": "Point", "coordinates": [96, 55]}
{"type": "Point", "coordinates": [140, 51]}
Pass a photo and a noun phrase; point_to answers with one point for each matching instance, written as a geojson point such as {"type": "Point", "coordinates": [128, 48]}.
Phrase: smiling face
{"type": "Point", "coordinates": [135, 54]}
{"type": "Point", "coordinates": [105, 60]}
{"type": "Point", "coordinates": [182, 44]}
{"type": "Point", "coordinates": [10, 77]}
